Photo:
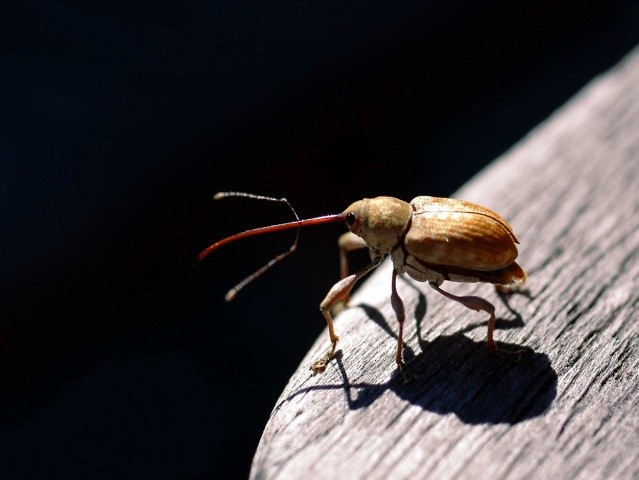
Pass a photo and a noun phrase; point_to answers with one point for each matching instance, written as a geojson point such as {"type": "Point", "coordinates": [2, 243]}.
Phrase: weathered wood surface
{"type": "Point", "coordinates": [570, 407]}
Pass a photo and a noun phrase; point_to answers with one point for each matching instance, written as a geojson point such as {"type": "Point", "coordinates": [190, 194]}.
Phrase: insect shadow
{"type": "Point", "coordinates": [458, 375]}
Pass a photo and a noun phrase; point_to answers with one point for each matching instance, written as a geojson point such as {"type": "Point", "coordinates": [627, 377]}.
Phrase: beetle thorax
{"type": "Point", "coordinates": [381, 222]}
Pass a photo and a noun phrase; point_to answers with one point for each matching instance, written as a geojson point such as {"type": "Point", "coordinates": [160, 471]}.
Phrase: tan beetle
{"type": "Point", "coordinates": [431, 239]}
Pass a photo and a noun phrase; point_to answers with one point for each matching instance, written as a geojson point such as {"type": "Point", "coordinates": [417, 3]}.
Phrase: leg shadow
{"type": "Point", "coordinates": [458, 375]}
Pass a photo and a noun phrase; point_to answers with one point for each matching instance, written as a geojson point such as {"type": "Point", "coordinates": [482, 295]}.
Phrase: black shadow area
{"type": "Point", "coordinates": [455, 374]}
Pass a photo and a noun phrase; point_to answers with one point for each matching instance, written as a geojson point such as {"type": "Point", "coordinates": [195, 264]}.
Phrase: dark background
{"type": "Point", "coordinates": [120, 120]}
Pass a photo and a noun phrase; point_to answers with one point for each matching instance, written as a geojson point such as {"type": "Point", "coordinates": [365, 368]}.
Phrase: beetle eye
{"type": "Point", "coordinates": [350, 218]}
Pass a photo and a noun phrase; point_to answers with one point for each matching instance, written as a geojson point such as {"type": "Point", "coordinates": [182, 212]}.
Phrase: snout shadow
{"type": "Point", "coordinates": [455, 374]}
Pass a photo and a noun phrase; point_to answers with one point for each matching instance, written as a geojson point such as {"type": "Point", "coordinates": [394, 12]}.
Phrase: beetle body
{"type": "Point", "coordinates": [435, 239]}
{"type": "Point", "coordinates": [430, 239]}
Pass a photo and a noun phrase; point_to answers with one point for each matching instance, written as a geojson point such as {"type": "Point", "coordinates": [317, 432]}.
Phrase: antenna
{"type": "Point", "coordinates": [232, 293]}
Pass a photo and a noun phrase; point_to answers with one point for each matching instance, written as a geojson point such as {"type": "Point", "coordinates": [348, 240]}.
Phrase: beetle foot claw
{"type": "Point", "coordinates": [406, 374]}
{"type": "Point", "coordinates": [319, 365]}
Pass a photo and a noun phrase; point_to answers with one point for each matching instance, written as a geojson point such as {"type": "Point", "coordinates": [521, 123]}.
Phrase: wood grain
{"type": "Point", "coordinates": [570, 407]}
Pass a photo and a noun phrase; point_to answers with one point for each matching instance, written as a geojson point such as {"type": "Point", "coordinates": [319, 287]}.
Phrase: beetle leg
{"type": "Point", "coordinates": [347, 242]}
{"type": "Point", "coordinates": [477, 304]}
{"type": "Point", "coordinates": [340, 290]}
{"type": "Point", "coordinates": [398, 307]}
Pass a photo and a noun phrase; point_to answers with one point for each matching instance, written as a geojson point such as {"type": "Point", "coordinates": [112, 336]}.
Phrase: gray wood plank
{"type": "Point", "coordinates": [570, 407]}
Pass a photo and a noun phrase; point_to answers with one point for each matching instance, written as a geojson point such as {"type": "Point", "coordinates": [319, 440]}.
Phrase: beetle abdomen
{"type": "Point", "coordinates": [446, 231]}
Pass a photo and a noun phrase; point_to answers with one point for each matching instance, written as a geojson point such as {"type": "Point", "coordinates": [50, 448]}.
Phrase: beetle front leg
{"type": "Point", "coordinates": [477, 304]}
{"type": "Point", "coordinates": [339, 291]}
{"type": "Point", "coordinates": [346, 242]}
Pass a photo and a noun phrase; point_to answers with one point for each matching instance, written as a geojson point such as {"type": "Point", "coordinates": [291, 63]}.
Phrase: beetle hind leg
{"type": "Point", "coordinates": [478, 304]}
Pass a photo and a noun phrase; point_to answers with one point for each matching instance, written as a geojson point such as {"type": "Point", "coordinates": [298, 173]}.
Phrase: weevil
{"type": "Point", "coordinates": [430, 239]}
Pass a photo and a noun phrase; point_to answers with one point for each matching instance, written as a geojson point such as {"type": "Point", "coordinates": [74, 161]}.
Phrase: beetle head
{"type": "Point", "coordinates": [380, 222]}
